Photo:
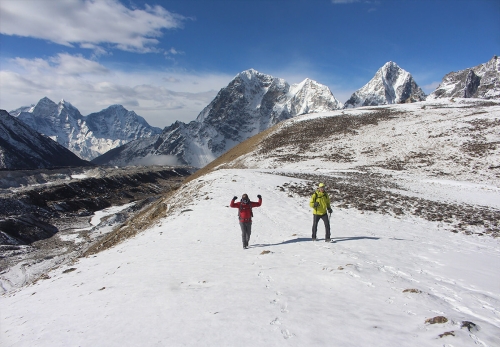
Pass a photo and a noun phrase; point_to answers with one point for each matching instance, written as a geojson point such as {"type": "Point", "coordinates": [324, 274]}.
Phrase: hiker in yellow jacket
{"type": "Point", "coordinates": [320, 203]}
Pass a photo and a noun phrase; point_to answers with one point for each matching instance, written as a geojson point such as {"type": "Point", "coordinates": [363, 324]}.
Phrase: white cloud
{"type": "Point", "coordinates": [88, 23]}
{"type": "Point", "coordinates": [161, 97]}
{"type": "Point", "coordinates": [344, 1]}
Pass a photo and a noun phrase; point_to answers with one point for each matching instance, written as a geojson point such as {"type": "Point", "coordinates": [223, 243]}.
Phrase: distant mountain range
{"type": "Point", "coordinates": [21, 147]}
{"type": "Point", "coordinates": [252, 102]}
{"type": "Point", "coordinates": [87, 137]}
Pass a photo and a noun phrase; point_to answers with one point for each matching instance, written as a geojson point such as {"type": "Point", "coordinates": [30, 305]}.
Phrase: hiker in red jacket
{"type": "Point", "coordinates": [245, 214]}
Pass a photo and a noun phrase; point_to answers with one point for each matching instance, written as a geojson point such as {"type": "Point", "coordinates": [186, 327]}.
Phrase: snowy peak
{"type": "Point", "coordinates": [57, 121]}
{"type": "Point", "coordinates": [21, 147]}
{"type": "Point", "coordinates": [310, 96]}
{"type": "Point", "coordinates": [87, 137]}
{"type": "Point", "coordinates": [116, 122]}
{"type": "Point", "coordinates": [390, 85]}
{"type": "Point", "coordinates": [482, 81]}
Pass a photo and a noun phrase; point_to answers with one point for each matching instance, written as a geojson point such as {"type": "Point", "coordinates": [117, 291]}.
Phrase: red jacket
{"type": "Point", "coordinates": [245, 209]}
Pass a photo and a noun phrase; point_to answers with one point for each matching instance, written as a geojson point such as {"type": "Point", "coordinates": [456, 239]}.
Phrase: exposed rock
{"type": "Point", "coordinates": [437, 320]}
{"type": "Point", "coordinates": [482, 81]}
{"type": "Point", "coordinates": [38, 213]}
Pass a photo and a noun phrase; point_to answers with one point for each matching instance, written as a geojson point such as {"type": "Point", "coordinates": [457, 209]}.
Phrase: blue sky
{"type": "Point", "coordinates": [167, 59]}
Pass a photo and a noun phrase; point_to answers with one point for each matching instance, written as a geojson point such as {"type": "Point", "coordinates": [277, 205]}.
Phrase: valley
{"type": "Point", "coordinates": [49, 217]}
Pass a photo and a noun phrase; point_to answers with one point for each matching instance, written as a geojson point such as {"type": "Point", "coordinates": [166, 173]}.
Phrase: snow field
{"type": "Point", "coordinates": [188, 282]}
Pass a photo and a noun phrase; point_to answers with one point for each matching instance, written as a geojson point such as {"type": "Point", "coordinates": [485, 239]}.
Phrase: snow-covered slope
{"type": "Point", "coordinates": [21, 147]}
{"type": "Point", "coordinates": [251, 103]}
{"type": "Point", "coordinates": [383, 281]}
{"type": "Point", "coordinates": [446, 139]}
{"type": "Point", "coordinates": [482, 81]}
{"type": "Point", "coordinates": [390, 85]}
{"type": "Point", "coordinates": [90, 136]}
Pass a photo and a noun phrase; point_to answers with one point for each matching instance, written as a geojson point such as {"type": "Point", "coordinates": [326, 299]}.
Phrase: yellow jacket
{"type": "Point", "coordinates": [323, 203]}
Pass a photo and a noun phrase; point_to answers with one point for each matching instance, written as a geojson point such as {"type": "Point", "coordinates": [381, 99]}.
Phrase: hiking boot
{"type": "Point", "coordinates": [314, 239]}
{"type": "Point", "coordinates": [327, 240]}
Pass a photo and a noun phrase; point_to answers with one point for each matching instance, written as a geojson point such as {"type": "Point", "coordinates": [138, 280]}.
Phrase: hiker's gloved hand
{"type": "Point", "coordinates": [316, 204]}
{"type": "Point", "coordinates": [259, 196]}
{"type": "Point", "coordinates": [329, 210]}
{"type": "Point", "coordinates": [235, 197]}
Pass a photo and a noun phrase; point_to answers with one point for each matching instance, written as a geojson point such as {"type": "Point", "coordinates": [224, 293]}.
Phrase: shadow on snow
{"type": "Point", "coordinates": [308, 239]}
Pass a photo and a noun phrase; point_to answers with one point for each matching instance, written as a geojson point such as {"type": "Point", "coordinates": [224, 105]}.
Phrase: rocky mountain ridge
{"type": "Point", "coordinates": [481, 81]}
{"type": "Point", "coordinates": [21, 147]}
{"type": "Point", "coordinates": [87, 137]}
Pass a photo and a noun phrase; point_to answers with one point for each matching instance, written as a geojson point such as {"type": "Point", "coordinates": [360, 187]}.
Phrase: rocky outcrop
{"type": "Point", "coordinates": [482, 81]}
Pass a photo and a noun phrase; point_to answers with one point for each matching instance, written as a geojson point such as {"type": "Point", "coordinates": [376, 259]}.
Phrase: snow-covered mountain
{"type": "Point", "coordinates": [390, 85]}
{"type": "Point", "coordinates": [21, 147]}
{"type": "Point", "coordinates": [251, 103]}
{"type": "Point", "coordinates": [482, 81]}
{"type": "Point", "coordinates": [89, 136]}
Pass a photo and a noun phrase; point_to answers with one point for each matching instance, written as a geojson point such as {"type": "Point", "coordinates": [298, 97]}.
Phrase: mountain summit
{"type": "Point", "coordinates": [390, 85]}
{"type": "Point", "coordinates": [251, 103]}
{"type": "Point", "coordinates": [482, 81]}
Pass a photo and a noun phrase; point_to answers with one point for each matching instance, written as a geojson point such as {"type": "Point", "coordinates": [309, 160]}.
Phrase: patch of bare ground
{"type": "Point", "coordinates": [37, 213]}
{"type": "Point", "coordinates": [303, 135]}
{"type": "Point", "coordinates": [372, 192]}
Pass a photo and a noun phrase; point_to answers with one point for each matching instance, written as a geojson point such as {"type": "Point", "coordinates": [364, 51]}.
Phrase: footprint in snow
{"type": "Point", "coordinates": [286, 334]}
{"type": "Point", "coordinates": [276, 321]}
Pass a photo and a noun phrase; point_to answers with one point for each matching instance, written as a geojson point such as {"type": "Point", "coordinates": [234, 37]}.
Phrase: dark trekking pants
{"type": "Point", "coordinates": [316, 219]}
{"type": "Point", "coordinates": [246, 230]}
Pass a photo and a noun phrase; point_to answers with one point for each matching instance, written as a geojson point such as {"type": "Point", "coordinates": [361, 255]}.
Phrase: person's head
{"type": "Point", "coordinates": [321, 187]}
{"type": "Point", "coordinates": [244, 198]}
